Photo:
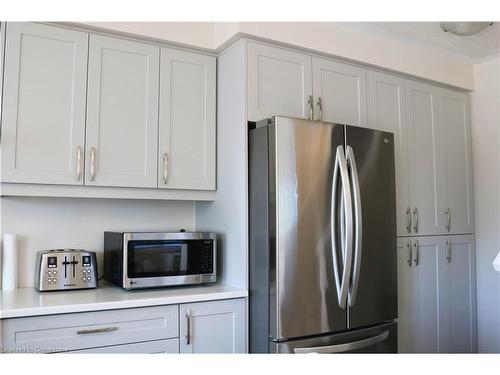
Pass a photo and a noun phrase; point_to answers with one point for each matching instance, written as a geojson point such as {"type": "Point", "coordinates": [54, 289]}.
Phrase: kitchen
{"type": "Point", "coordinates": [147, 163]}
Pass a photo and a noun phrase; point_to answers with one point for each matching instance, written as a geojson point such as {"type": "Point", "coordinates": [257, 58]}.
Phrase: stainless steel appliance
{"type": "Point", "coordinates": [136, 260]}
{"type": "Point", "coordinates": [323, 260]}
{"type": "Point", "coordinates": [65, 269]}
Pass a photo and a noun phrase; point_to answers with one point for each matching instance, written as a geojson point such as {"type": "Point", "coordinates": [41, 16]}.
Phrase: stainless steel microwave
{"type": "Point", "coordinates": [135, 260]}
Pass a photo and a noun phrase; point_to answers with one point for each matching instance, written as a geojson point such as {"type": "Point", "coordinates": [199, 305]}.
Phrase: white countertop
{"type": "Point", "coordinates": [29, 302]}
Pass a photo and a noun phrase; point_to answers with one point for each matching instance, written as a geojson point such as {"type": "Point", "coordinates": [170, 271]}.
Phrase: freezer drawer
{"type": "Point", "coordinates": [379, 339]}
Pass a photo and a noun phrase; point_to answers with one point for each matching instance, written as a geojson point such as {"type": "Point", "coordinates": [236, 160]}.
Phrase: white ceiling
{"type": "Point", "coordinates": [477, 47]}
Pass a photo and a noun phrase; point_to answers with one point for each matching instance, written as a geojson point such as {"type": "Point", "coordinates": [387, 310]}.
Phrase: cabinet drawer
{"type": "Point", "coordinates": [89, 330]}
{"type": "Point", "coordinates": [170, 346]}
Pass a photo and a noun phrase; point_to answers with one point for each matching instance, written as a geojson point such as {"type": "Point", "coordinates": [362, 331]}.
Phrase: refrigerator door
{"type": "Point", "coordinates": [379, 339]}
{"type": "Point", "coordinates": [303, 297]}
{"type": "Point", "coordinates": [373, 291]}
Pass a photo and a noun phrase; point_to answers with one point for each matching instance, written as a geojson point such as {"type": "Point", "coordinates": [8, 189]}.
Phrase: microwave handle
{"type": "Point", "coordinates": [188, 330]}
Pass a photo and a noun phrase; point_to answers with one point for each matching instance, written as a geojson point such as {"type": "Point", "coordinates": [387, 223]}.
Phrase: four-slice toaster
{"type": "Point", "coordinates": [65, 269]}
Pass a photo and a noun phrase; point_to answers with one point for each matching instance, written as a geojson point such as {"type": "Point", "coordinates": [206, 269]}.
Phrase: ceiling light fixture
{"type": "Point", "coordinates": [464, 28]}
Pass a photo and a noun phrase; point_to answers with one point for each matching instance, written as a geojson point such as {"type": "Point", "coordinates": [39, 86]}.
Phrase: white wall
{"type": "Point", "coordinates": [333, 38]}
{"type": "Point", "coordinates": [48, 223]}
{"type": "Point", "coordinates": [485, 106]}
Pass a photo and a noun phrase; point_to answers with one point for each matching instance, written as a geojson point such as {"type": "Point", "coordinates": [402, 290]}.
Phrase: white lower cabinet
{"type": "Point", "coordinates": [213, 327]}
{"type": "Point", "coordinates": [436, 295]}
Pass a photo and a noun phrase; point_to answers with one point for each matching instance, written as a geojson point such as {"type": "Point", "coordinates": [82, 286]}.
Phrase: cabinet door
{"type": "Point", "coordinates": [426, 168]}
{"type": "Point", "coordinates": [456, 150]}
{"type": "Point", "coordinates": [279, 82]}
{"type": "Point", "coordinates": [187, 121]}
{"type": "Point", "coordinates": [457, 317]}
{"type": "Point", "coordinates": [213, 327]}
{"type": "Point", "coordinates": [387, 112]}
{"type": "Point", "coordinates": [406, 295]}
{"type": "Point", "coordinates": [122, 113]}
{"type": "Point", "coordinates": [424, 327]}
{"type": "Point", "coordinates": [339, 92]}
{"type": "Point", "coordinates": [43, 125]}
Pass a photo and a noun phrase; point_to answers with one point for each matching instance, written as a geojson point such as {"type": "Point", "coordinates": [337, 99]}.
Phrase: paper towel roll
{"type": "Point", "coordinates": [9, 262]}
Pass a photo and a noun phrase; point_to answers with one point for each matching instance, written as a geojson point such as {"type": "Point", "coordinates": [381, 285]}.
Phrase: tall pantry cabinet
{"type": "Point", "coordinates": [434, 211]}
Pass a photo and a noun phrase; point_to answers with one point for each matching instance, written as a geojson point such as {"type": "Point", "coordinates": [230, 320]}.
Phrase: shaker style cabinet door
{"type": "Point", "coordinates": [43, 125]}
{"type": "Point", "coordinates": [279, 83]}
{"type": "Point", "coordinates": [456, 149]}
{"type": "Point", "coordinates": [387, 112]}
{"type": "Point", "coordinates": [187, 133]}
{"type": "Point", "coordinates": [339, 92]}
{"type": "Point", "coordinates": [418, 294]}
{"type": "Point", "coordinates": [425, 161]}
{"type": "Point", "coordinates": [213, 327]}
{"type": "Point", "coordinates": [457, 315]}
{"type": "Point", "coordinates": [122, 113]}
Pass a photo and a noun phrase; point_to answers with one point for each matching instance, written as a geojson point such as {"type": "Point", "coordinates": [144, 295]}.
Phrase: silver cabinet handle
{"type": "Point", "coordinates": [320, 106]}
{"type": "Point", "coordinates": [408, 220]}
{"type": "Point", "coordinates": [415, 215]}
{"type": "Point", "coordinates": [409, 261]}
{"type": "Point", "coordinates": [310, 101]}
{"type": "Point", "coordinates": [417, 252]}
{"type": "Point", "coordinates": [78, 163]}
{"type": "Point", "coordinates": [341, 348]}
{"type": "Point", "coordinates": [92, 163]}
{"type": "Point", "coordinates": [340, 168]}
{"type": "Point", "coordinates": [97, 330]}
{"type": "Point", "coordinates": [358, 220]}
{"type": "Point", "coordinates": [188, 329]}
{"type": "Point", "coordinates": [448, 217]}
{"type": "Point", "coordinates": [165, 168]}
{"type": "Point", "coordinates": [448, 257]}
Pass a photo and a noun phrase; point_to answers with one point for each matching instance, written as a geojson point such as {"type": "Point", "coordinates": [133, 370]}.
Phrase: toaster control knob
{"type": "Point", "coordinates": [54, 280]}
{"type": "Point", "coordinates": [49, 281]}
{"type": "Point", "coordinates": [54, 272]}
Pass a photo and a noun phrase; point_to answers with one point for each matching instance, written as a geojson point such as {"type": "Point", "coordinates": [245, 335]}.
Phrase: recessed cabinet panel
{"type": "Point", "coordinates": [122, 113]}
{"type": "Point", "coordinates": [279, 82]}
{"type": "Point", "coordinates": [43, 129]}
{"type": "Point", "coordinates": [456, 147]}
{"type": "Point", "coordinates": [187, 121]}
{"type": "Point", "coordinates": [425, 161]}
{"type": "Point", "coordinates": [387, 112]}
{"type": "Point", "coordinates": [339, 92]}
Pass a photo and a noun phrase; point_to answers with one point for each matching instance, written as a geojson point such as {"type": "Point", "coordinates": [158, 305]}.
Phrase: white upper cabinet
{"type": "Point", "coordinates": [122, 113]}
{"type": "Point", "coordinates": [187, 131]}
{"type": "Point", "coordinates": [43, 125]}
{"type": "Point", "coordinates": [425, 161]}
{"type": "Point", "coordinates": [339, 92]}
{"type": "Point", "coordinates": [213, 327]}
{"type": "Point", "coordinates": [387, 112]}
{"type": "Point", "coordinates": [457, 316]}
{"type": "Point", "coordinates": [456, 151]}
{"type": "Point", "coordinates": [279, 83]}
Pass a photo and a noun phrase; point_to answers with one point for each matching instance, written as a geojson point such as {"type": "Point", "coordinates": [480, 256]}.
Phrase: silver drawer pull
{"type": "Point", "coordinates": [78, 163]}
{"type": "Point", "coordinates": [310, 101]}
{"type": "Point", "coordinates": [97, 330]}
{"type": "Point", "coordinates": [92, 164]}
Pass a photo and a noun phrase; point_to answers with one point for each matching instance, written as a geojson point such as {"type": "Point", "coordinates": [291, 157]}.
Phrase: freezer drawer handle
{"type": "Point", "coordinates": [342, 286]}
{"type": "Point", "coordinates": [347, 347]}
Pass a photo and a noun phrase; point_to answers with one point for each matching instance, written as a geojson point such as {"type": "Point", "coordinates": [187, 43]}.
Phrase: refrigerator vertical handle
{"type": "Point", "coordinates": [358, 220]}
{"type": "Point", "coordinates": [340, 167]}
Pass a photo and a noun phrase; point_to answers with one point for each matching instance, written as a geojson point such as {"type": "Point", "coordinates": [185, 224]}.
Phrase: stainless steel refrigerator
{"type": "Point", "coordinates": [323, 274]}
